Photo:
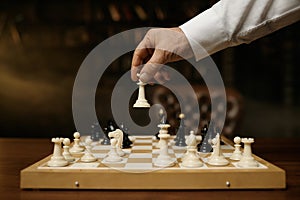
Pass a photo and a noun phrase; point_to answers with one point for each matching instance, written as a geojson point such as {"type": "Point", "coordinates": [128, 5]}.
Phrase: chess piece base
{"type": "Point", "coordinates": [236, 156]}
{"type": "Point", "coordinates": [141, 104]}
{"type": "Point", "coordinates": [112, 159]}
{"type": "Point", "coordinates": [57, 162]}
{"type": "Point", "coordinates": [218, 161]}
{"type": "Point", "coordinates": [247, 162]}
{"type": "Point", "coordinates": [76, 149]}
{"type": "Point", "coordinates": [88, 159]}
{"type": "Point", "coordinates": [164, 162]}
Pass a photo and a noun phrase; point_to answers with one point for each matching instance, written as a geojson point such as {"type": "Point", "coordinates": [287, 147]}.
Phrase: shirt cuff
{"type": "Point", "coordinates": [206, 34]}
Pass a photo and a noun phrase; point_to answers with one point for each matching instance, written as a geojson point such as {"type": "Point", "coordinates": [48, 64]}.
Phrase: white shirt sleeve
{"type": "Point", "coordinates": [233, 22]}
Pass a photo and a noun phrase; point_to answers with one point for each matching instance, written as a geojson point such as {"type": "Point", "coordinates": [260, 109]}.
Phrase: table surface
{"type": "Point", "coordinates": [17, 154]}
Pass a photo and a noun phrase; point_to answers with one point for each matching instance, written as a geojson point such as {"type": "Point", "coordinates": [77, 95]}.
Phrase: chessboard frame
{"type": "Point", "coordinates": [272, 177]}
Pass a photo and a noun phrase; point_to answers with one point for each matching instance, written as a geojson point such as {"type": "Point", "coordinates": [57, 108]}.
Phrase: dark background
{"type": "Point", "coordinates": [43, 43]}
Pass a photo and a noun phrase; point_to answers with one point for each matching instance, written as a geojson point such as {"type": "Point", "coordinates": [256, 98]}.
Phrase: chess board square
{"type": "Point", "coordinates": [143, 141]}
{"type": "Point", "coordinates": [139, 160]}
{"type": "Point", "coordinates": [141, 147]}
{"type": "Point", "coordinates": [140, 151]}
{"type": "Point", "coordinates": [140, 155]}
{"type": "Point", "coordinates": [85, 165]}
{"type": "Point", "coordinates": [143, 137]}
{"type": "Point", "coordinates": [141, 144]}
{"type": "Point", "coordinates": [114, 165]}
{"type": "Point", "coordinates": [138, 165]}
{"type": "Point", "coordinates": [156, 151]}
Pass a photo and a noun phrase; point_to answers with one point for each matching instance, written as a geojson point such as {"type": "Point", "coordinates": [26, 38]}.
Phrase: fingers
{"type": "Point", "coordinates": [137, 60]}
{"type": "Point", "coordinates": [152, 66]}
{"type": "Point", "coordinates": [162, 76]}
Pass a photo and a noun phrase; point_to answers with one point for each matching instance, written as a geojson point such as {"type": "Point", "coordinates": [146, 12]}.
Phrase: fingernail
{"type": "Point", "coordinates": [144, 77]}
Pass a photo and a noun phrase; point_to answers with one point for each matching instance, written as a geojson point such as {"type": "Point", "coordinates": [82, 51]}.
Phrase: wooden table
{"type": "Point", "coordinates": [16, 154]}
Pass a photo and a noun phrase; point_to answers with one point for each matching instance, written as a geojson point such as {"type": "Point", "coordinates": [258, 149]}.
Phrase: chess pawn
{"type": "Point", "coordinates": [113, 155]}
{"type": "Point", "coordinates": [217, 158]}
{"type": "Point", "coordinates": [237, 154]}
{"type": "Point", "coordinates": [88, 156]}
{"type": "Point", "coordinates": [66, 153]}
{"type": "Point", "coordinates": [141, 102]}
{"type": "Point", "coordinates": [247, 159]}
{"type": "Point", "coordinates": [180, 137]}
{"type": "Point", "coordinates": [95, 132]}
{"type": "Point", "coordinates": [76, 147]}
{"type": "Point", "coordinates": [57, 159]}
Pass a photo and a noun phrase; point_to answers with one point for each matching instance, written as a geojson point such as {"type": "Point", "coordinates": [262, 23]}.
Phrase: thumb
{"type": "Point", "coordinates": [152, 66]}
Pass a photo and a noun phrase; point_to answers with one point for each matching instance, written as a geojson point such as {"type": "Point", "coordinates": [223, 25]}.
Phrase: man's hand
{"type": "Point", "coordinates": [159, 47]}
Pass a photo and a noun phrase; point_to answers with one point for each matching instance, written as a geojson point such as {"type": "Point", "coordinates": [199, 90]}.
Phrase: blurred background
{"type": "Point", "coordinates": [43, 43]}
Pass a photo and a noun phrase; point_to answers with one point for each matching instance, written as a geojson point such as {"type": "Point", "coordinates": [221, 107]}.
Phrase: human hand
{"type": "Point", "coordinates": [159, 46]}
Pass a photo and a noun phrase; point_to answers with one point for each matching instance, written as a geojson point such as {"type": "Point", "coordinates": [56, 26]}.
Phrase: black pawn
{"type": "Point", "coordinates": [180, 141]}
{"type": "Point", "coordinates": [206, 146]}
{"type": "Point", "coordinates": [95, 132]}
{"type": "Point", "coordinates": [203, 135]}
{"type": "Point", "coordinates": [126, 141]}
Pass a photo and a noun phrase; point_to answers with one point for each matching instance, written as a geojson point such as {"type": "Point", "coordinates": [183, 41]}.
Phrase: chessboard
{"type": "Point", "coordinates": [137, 171]}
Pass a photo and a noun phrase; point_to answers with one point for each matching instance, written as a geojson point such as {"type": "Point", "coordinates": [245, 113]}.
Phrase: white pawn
{"type": "Point", "coordinates": [247, 159]}
{"type": "Point", "coordinates": [191, 159]}
{"type": "Point", "coordinates": [57, 159]}
{"type": "Point", "coordinates": [217, 158]}
{"type": "Point", "coordinates": [67, 155]}
{"type": "Point", "coordinates": [88, 156]}
{"type": "Point", "coordinates": [76, 147]}
{"type": "Point", "coordinates": [113, 155]}
{"type": "Point", "coordinates": [237, 154]}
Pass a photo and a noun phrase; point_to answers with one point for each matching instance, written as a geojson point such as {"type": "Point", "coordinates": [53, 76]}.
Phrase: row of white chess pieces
{"type": "Point", "coordinates": [190, 159]}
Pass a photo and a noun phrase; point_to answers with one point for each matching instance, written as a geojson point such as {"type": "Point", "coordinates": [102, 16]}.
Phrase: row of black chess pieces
{"type": "Point", "coordinates": [111, 126]}
{"type": "Point", "coordinates": [204, 145]}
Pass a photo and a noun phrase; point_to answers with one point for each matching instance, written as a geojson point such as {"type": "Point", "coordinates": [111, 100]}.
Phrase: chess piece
{"type": "Point", "coordinates": [203, 134]}
{"type": "Point", "coordinates": [118, 135]}
{"type": "Point", "coordinates": [113, 155]}
{"type": "Point", "coordinates": [247, 159]}
{"type": "Point", "coordinates": [66, 153]}
{"type": "Point", "coordinates": [206, 146]}
{"type": "Point", "coordinates": [217, 158]}
{"type": "Point", "coordinates": [191, 159]}
{"type": "Point", "coordinates": [95, 132]}
{"type": "Point", "coordinates": [141, 102]}
{"type": "Point", "coordinates": [76, 147]}
{"type": "Point", "coordinates": [164, 159]}
{"type": "Point", "coordinates": [237, 154]}
{"type": "Point", "coordinates": [88, 156]}
{"type": "Point", "coordinates": [162, 120]}
{"type": "Point", "coordinates": [110, 127]}
{"type": "Point", "coordinates": [180, 141]}
{"type": "Point", "coordinates": [57, 159]}
{"type": "Point", "coordinates": [126, 141]}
